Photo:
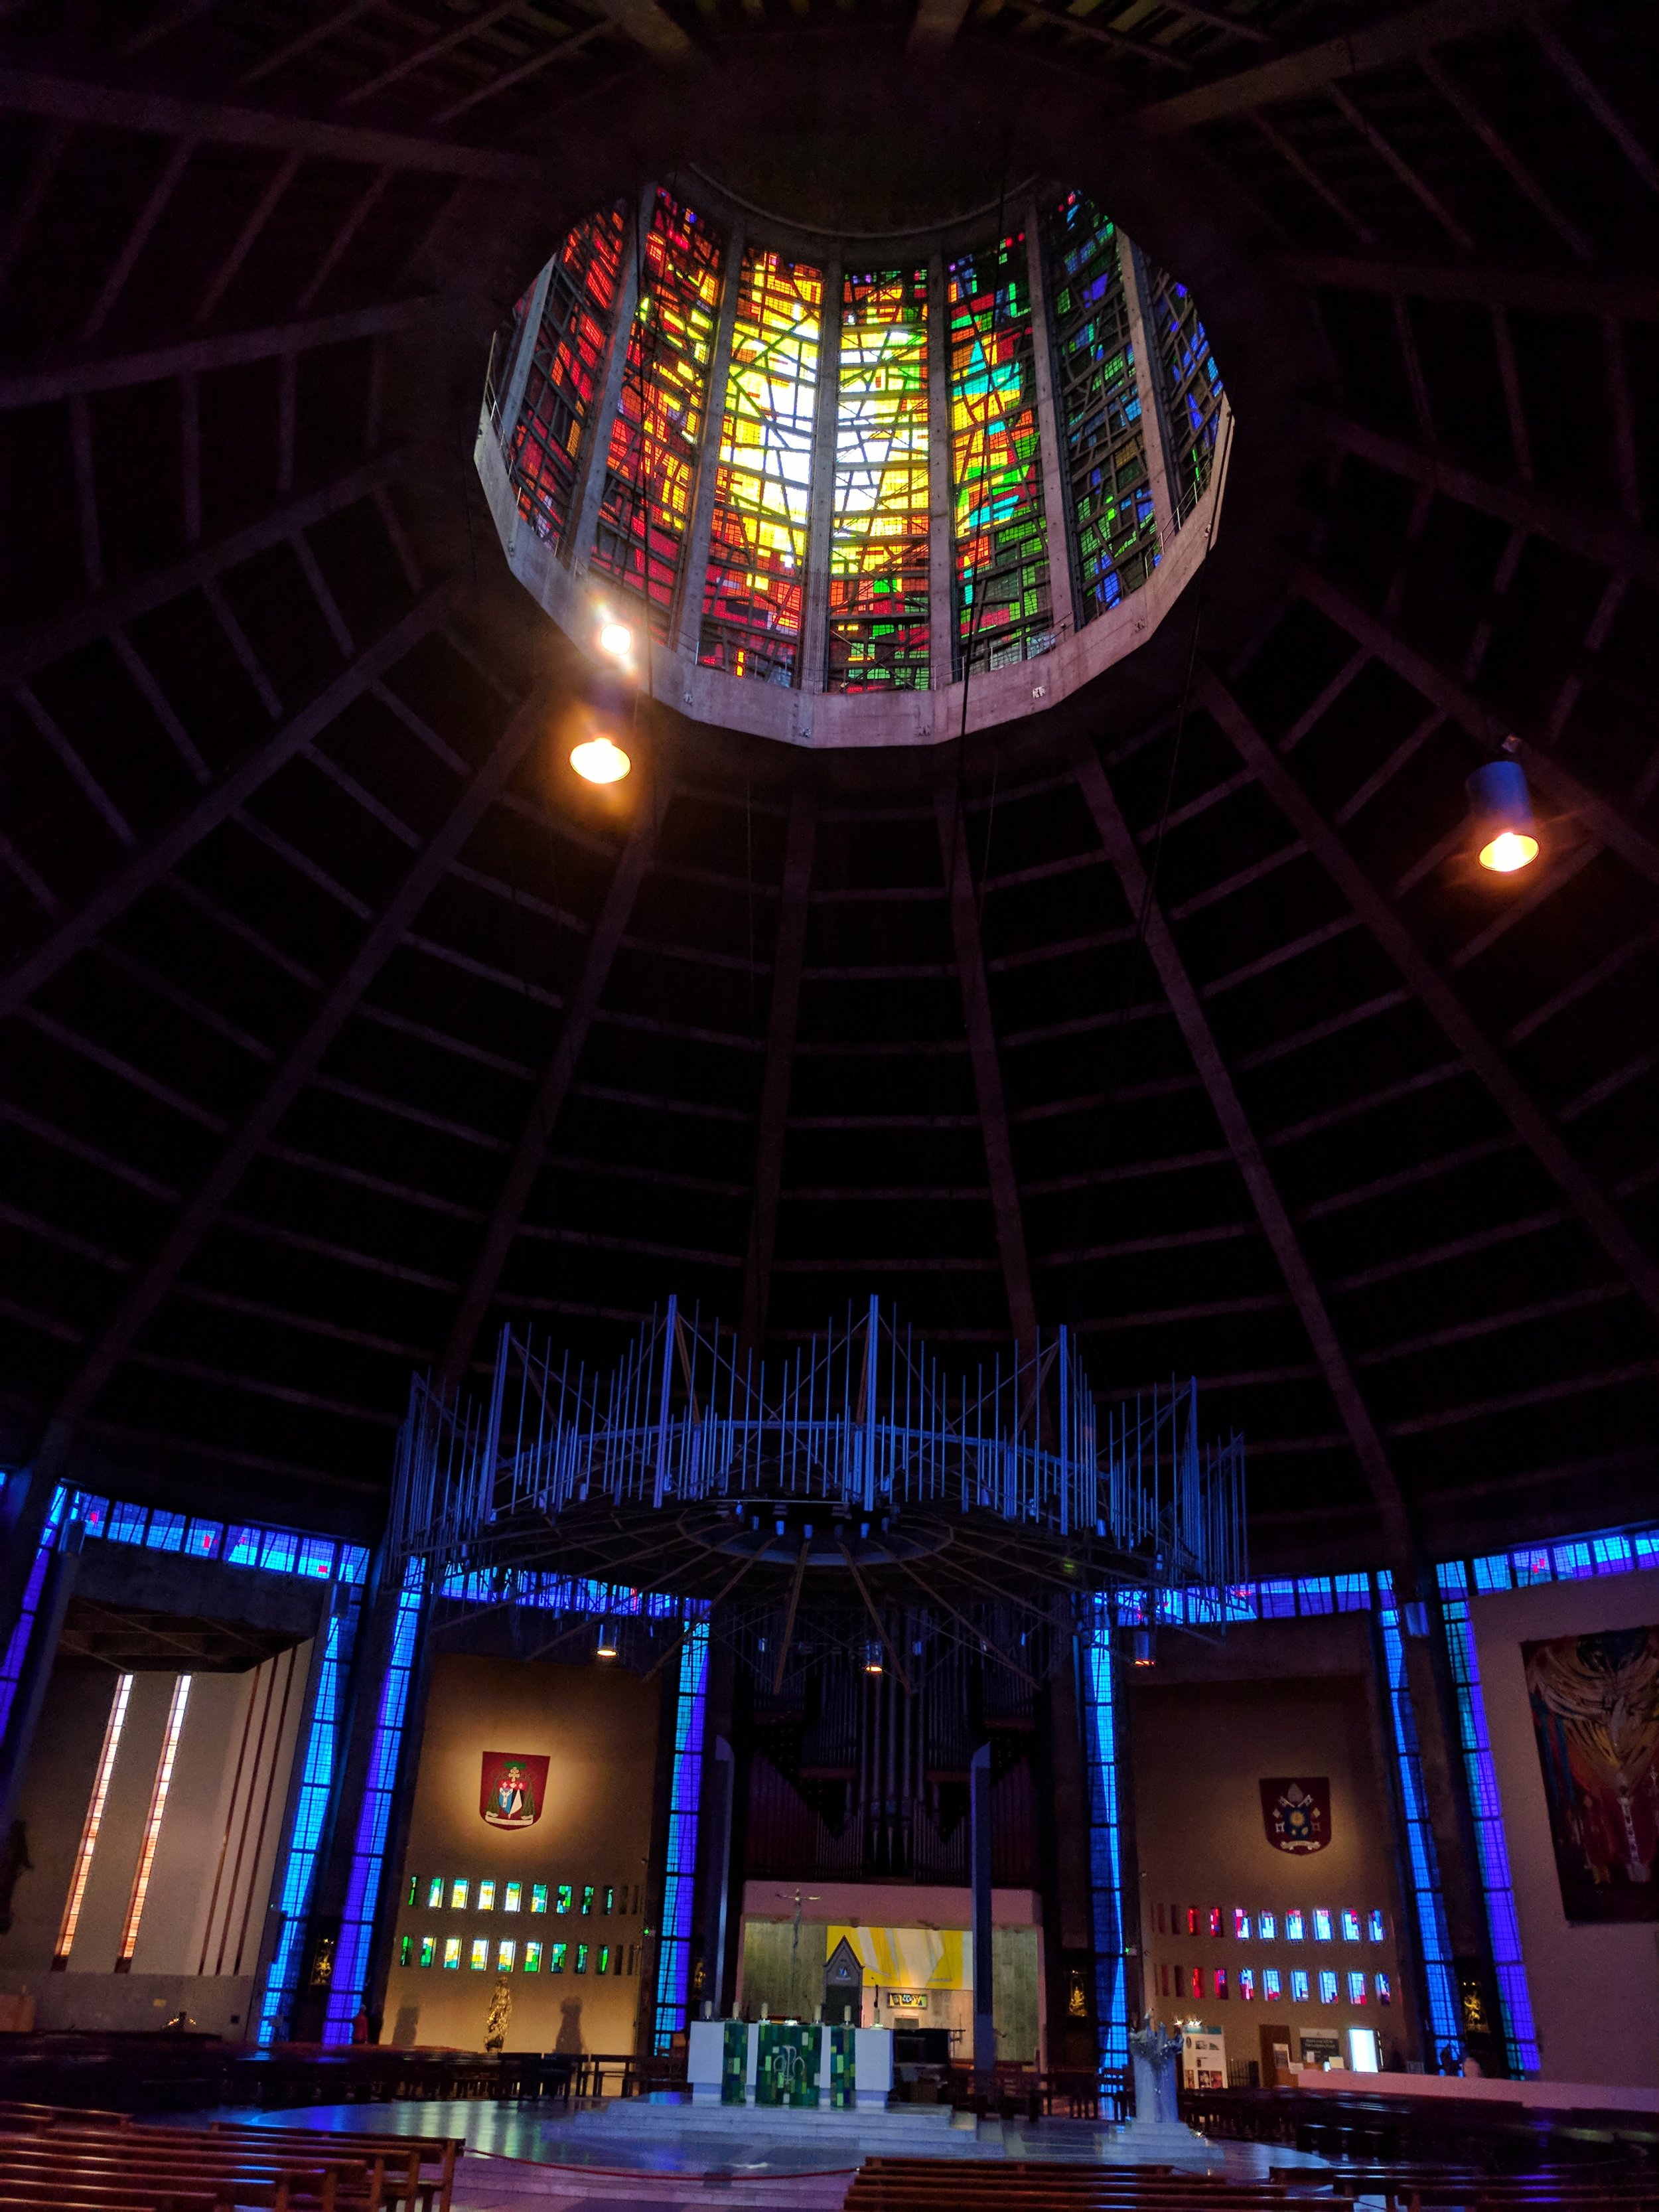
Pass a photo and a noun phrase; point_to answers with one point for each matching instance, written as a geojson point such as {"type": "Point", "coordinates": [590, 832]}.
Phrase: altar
{"type": "Point", "coordinates": [800, 2066]}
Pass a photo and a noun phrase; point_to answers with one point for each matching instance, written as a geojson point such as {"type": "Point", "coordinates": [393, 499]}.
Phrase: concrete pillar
{"type": "Point", "coordinates": [985, 2032]}
{"type": "Point", "coordinates": [941, 505]}
{"type": "Point", "coordinates": [524, 352]}
{"type": "Point", "coordinates": [25, 1718]}
{"type": "Point", "coordinates": [1051, 441]}
{"type": "Point", "coordinates": [694, 566]}
{"type": "Point", "coordinates": [24, 1503]}
{"type": "Point", "coordinates": [815, 629]}
{"type": "Point", "coordinates": [1149, 382]}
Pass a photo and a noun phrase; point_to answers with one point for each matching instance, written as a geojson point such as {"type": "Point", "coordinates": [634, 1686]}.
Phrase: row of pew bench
{"type": "Point", "coordinates": [56, 2159]}
{"type": "Point", "coordinates": [955, 2185]}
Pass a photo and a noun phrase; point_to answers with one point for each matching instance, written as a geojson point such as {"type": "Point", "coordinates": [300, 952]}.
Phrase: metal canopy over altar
{"type": "Point", "coordinates": [856, 1496]}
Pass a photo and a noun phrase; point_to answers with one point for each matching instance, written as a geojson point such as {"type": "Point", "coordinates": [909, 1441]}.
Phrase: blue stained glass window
{"type": "Point", "coordinates": [1327, 1985]}
{"type": "Point", "coordinates": [17, 1646]}
{"type": "Point", "coordinates": [1293, 1926]}
{"type": "Point", "coordinates": [1270, 1983]}
{"type": "Point", "coordinates": [375, 1815]}
{"type": "Point", "coordinates": [1378, 1929]}
{"type": "Point", "coordinates": [1492, 1847]}
{"type": "Point", "coordinates": [1424, 1866]}
{"type": "Point", "coordinates": [1322, 1925]}
{"type": "Point", "coordinates": [1266, 1927]}
{"type": "Point", "coordinates": [1298, 1985]}
{"type": "Point", "coordinates": [1105, 1859]}
{"type": "Point", "coordinates": [1357, 1991]}
{"type": "Point", "coordinates": [1350, 1926]}
{"type": "Point", "coordinates": [297, 1862]}
{"type": "Point", "coordinates": [674, 1948]}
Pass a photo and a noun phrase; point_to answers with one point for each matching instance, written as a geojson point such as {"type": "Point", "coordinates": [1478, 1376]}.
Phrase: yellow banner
{"type": "Point", "coordinates": [909, 1958]}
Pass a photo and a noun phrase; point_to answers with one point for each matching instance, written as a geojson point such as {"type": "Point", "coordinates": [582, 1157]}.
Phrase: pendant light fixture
{"type": "Point", "coordinates": [1505, 834]}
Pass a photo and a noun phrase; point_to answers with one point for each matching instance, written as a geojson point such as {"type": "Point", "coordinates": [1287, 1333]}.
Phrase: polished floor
{"type": "Point", "coordinates": [535, 2156]}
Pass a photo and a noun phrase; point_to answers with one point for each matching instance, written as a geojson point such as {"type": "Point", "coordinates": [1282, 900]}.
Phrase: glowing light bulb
{"type": "Point", "coordinates": [616, 642]}
{"type": "Point", "coordinates": [1510, 850]}
{"type": "Point", "coordinates": [600, 761]}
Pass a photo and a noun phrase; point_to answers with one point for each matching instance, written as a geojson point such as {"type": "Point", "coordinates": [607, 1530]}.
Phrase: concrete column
{"type": "Point", "coordinates": [694, 567]}
{"type": "Point", "coordinates": [941, 505]}
{"type": "Point", "coordinates": [596, 437]}
{"type": "Point", "coordinates": [1149, 382]}
{"type": "Point", "coordinates": [24, 1719]}
{"type": "Point", "coordinates": [24, 1503]}
{"type": "Point", "coordinates": [985, 2032]}
{"type": "Point", "coordinates": [1051, 442]}
{"type": "Point", "coordinates": [815, 630]}
{"type": "Point", "coordinates": [524, 352]}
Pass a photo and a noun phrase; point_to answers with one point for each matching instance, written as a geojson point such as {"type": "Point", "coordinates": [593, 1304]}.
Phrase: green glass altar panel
{"type": "Point", "coordinates": [843, 2069]}
{"type": "Point", "coordinates": [734, 2063]}
{"type": "Point", "coordinates": [786, 2066]}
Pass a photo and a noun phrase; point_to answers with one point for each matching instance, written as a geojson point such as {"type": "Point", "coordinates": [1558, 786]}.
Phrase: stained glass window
{"type": "Point", "coordinates": [505, 1955]}
{"type": "Point", "coordinates": [457, 1895]}
{"type": "Point", "coordinates": [532, 1958]}
{"type": "Point", "coordinates": [434, 1894]}
{"type": "Point", "coordinates": [513, 1897]}
{"type": "Point", "coordinates": [557, 1958]}
{"type": "Point", "coordinates": [566, 369]}
{"type": "Point", "coordinates": [999, 537]}
{"type": "Point", "coordinates": [1356, 1988]}
{"type": "Point", "coordinates": [1247, 1984]}
{"type": "Point", "coordinates": [1298, 1985]}
{"type": "Point", "coordinates": [879, 560]}
{"type": "Point", "coordinates": [1378, 1929]}
{"type": "Point", "coordinates": [1241, 1924]}
{"type": "Point", "coordinates": [486, 1897]}
{"type": "Point", "coordinates": [1266, 1927]}
{"type": "Point", "coordinates": [1322, 1925]}
{"type": "Point", "coordinates": [1192, 392]}
{"type": "Point", "coordinates": [1384, 1990]}
{"type": "Point", "coordinates": [1098, 408]}
{"type": "Point", "coordinates": [1293, 1926]}
{"type": "Point", "coordinates": [657, 431]}
{"type": "Point", "coordinates": [1270, 1983]}
{"type": "Point", "coordinates": [753, 598]}
{"type": "Point", "coordinates": [1328, 1986]}
{"type": "Point", "coordinates": [562, 1901]}
{"type": "Point", "coordinates": [428, 1943]}
{"type": "Point", "coordinates": [581, 1958]}
{"type": "Point", "coordinates": [538, 1897]}
{"type": "Point", "coordinates": [1350, 1926]}
{"type": "Point", "coordinates": [451, 1951]}
{"type": "Point", "coordinates": [479, 1960]}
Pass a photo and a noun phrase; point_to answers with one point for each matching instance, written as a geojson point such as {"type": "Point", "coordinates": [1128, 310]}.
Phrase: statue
{"type": "Point", "coordinates": [501, 2011]}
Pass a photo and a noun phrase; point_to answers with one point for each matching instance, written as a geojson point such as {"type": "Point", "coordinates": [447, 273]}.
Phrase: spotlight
{"type": "Point", "coordinates": [600, 760]}
{"type": "Point", "coordinates": [1505, 834]}
{"type": "Point", "coordinates": [872, 1659]}
{"type": "Point", "coordinates": [1140, 1647]}
{"type": "Point", "coordinates": [606, 1646]}
{"type": "Point", "coordinates": [616, 642]}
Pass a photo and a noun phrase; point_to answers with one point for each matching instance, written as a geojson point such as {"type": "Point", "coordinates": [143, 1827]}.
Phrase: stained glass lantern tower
{"type": "Point", "coordinates": [865, 497]}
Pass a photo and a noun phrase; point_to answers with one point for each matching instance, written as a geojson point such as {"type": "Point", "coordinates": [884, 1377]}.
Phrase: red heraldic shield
{"type": "Point", "coordinates": [1296, 1811]}
{"type": "Point", "coordinates": [513, 1789]}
